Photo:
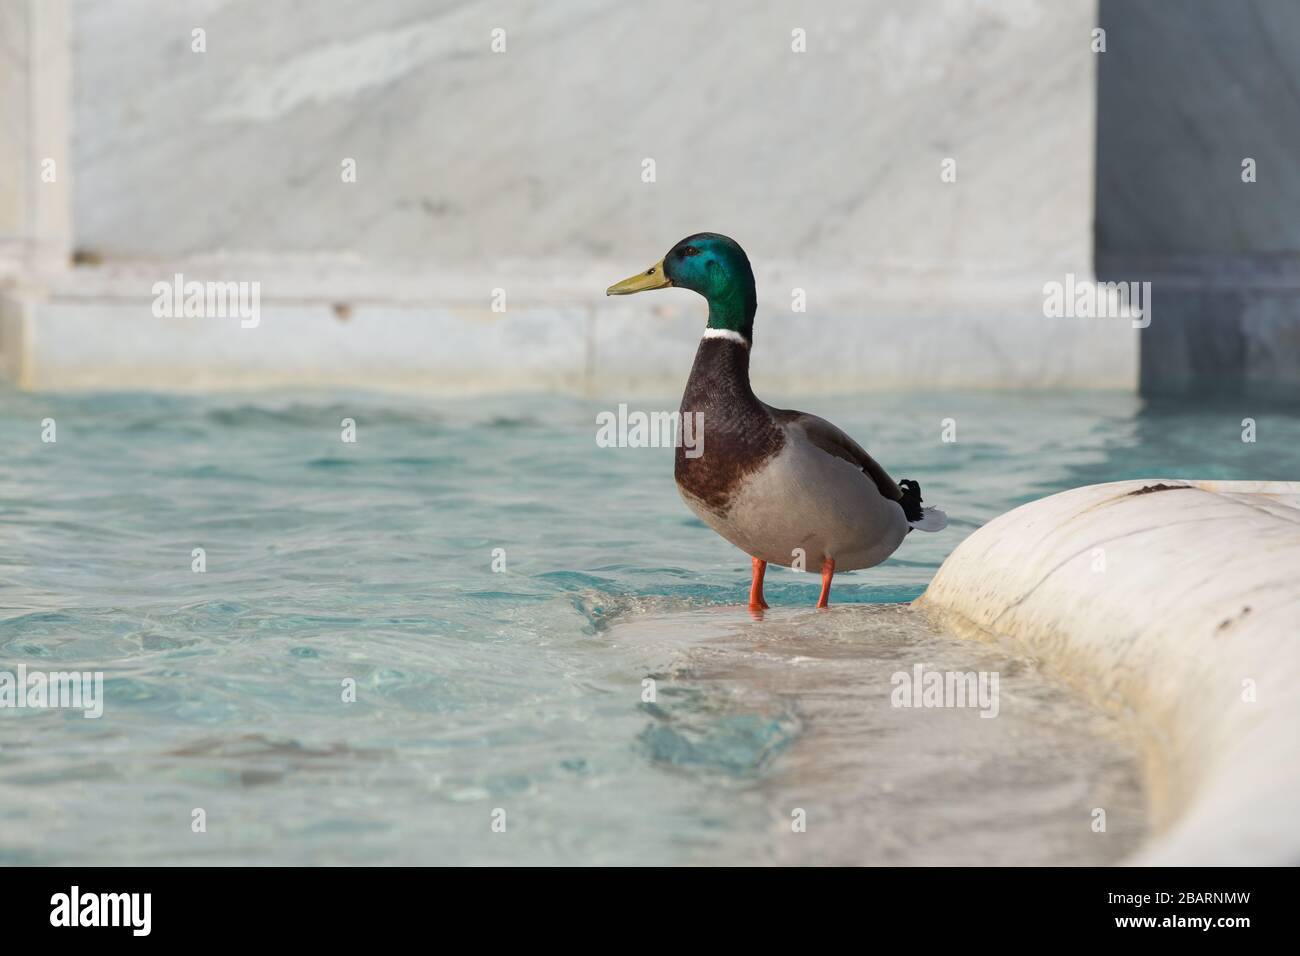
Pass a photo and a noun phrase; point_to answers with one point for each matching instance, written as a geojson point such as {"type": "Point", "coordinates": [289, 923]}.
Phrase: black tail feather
{"type": "Point", "coordinates": [911, 500]}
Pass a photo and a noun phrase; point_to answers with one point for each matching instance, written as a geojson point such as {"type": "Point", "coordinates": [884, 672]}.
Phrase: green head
{"type": "Point", "coordinates": [715, 267]}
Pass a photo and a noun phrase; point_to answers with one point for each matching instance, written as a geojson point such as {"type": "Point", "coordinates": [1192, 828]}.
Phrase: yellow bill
{"type": "Point", "coordinates": [652, 278]}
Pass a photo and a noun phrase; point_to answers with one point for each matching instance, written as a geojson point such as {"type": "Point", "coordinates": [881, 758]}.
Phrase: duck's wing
{"type": "Point", "coordinates": [832, 440]}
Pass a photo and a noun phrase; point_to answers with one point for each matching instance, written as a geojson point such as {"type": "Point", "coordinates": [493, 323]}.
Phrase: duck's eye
{"type": "Point", "coordinates": [690, 251]}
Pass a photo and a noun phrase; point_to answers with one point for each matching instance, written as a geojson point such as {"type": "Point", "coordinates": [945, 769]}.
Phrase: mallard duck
{"type": "Point", "coordinates": [785, 487]}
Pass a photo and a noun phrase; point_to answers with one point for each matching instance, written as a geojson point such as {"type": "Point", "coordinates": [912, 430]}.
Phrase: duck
{"type": "Point", "coordinates": [786, 487]}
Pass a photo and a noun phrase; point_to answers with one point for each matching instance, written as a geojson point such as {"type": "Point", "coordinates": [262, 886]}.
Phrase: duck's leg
{"type": "Point", "coordinates": [828, 572]}
{"type": "Point", "coordinates": [756, 602]}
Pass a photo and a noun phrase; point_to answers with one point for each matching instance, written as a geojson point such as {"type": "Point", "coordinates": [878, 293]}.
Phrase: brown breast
{"type": "Point", "coordinates": [737, 431]}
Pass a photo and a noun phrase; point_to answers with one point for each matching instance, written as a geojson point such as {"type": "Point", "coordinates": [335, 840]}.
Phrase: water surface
{"type": "Point", "coordinates": [521, 689]}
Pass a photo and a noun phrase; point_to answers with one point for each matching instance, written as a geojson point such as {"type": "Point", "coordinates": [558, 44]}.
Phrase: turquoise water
{"type": "Point", "coordinates": [519, 690]}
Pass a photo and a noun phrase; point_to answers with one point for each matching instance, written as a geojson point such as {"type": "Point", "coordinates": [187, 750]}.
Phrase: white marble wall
{"type": "Point", "coordinates": [523, 170]}
{"type": "Point", "coordinates": [830, 157]}
{"type": "Point", "coordinates": [35, 113]}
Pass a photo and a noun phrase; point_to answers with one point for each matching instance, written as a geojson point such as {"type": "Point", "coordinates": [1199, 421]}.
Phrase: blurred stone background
{"type": "Point", "coordinates": [522, 170]}
{"type": "Point", "coordinates": [1187, 91]}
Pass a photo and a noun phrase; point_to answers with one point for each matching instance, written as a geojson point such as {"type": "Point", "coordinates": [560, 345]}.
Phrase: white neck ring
{"type": "Point", "coordinates": [729, 334]}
